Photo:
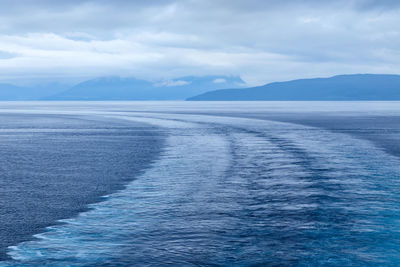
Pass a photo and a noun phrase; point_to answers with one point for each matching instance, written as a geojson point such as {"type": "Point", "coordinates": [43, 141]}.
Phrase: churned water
{"type": "Point", "coordinates": [258, 183]}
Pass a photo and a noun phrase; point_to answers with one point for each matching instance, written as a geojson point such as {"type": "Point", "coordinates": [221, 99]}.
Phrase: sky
{"type": "Point", "coordinates": [260, 40]}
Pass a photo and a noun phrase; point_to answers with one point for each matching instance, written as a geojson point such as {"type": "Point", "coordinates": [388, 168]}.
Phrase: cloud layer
{"type": "Point", "coordinates": [261, 41]}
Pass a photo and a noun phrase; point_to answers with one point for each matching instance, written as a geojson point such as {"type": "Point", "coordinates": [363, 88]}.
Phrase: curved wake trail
{"type": "Point", "coordinates": [165, 196]}
{"type": "Point", "coordinates": [232, 191]}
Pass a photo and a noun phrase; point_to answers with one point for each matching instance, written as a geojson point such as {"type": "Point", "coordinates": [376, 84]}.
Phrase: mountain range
{"type": "Point", "coordinates": [213, 88]}
{"type": "Point", "coordinates": [341, 87]}
{"type": "Point", "coordinates": [116, 88]}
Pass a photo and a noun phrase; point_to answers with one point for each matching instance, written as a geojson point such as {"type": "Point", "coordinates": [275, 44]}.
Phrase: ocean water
{"type": "Point", "coordinates": [187, 184]}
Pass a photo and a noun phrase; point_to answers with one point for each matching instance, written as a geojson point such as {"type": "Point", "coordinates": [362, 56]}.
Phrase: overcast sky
{"type": "Point", "coordinates": [260, 40]}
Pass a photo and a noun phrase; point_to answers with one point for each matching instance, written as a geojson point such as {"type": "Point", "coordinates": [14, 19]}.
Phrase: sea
{"type": "Point", "coordinates": [200, 183]}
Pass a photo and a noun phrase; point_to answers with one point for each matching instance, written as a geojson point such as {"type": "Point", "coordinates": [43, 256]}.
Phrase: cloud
{"type": "Point", "coordinates": [171, 83]}
{"type": "Point", "coordinates": [219, 80]}
{"type": "Point", "coordinates": [260, 40]}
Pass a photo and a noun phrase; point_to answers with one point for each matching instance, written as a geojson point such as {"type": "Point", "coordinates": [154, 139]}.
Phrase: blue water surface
{"type": "Point", "coordinates": [242, 184]}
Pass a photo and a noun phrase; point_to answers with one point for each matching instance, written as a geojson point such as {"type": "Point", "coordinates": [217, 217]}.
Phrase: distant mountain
{"type": "Point", "coordinates": [12, 92]}
{"type": "Point", "coordinates": [9, 92]}
{"type": "Point", "coordinates": [116, 88]}
{"type": "Point", "coordinates": [341, 87]}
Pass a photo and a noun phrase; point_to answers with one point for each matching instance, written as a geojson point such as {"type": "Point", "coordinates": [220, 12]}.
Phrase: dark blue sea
{"type": "Point", "coordinates": [200, 183]}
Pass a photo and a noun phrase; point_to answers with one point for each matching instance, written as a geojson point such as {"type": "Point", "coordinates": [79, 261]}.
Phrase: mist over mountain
{"type": "Point", "coordinates": [116, 88]}
{"type": "Point", "coordinates": [341, 87]}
